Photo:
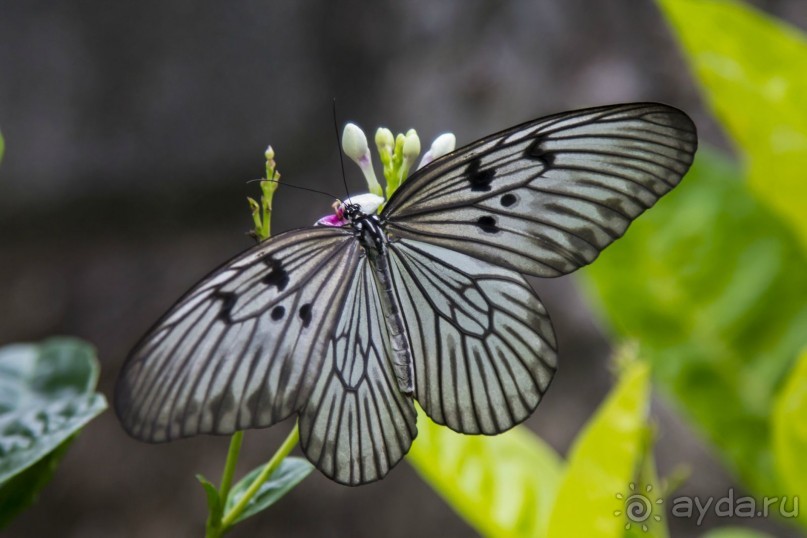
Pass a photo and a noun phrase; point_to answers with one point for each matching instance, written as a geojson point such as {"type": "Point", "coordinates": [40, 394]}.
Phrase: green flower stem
{"type": "Point", "coordinates": [229, 465]}
{"type": "Point", "coordinates": [282, 452]}
{"type": "Point", "coordinates": [268, 188]}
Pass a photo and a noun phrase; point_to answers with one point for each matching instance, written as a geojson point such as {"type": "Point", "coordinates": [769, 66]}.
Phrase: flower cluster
{"type": "Point", "coordinates": [397, 154]}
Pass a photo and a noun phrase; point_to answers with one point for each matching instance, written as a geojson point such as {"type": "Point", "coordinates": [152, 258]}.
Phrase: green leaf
{"type": "Point", "coordinates": [790, 430]}
{"type": "Point", "coordinates": [213, 500]}
{"type": "Point", "coordinates": [288, 474]}
{"type": "Point", "coordinates": [502, 485]}
{"type": "Point", "coordinates": [714, 286]}
{"type": "Point", "coordinates": [2, 147]}
{"type": "Point", "coordinates": [752, 68]}
{"type": "Point", "coordinates": [654, 525]}
{"type": "Point", "coordinates": [20, 491]}
{"type": "Point", "coordinates": [603, 461]}
{"type": "Point", "coordinates": [46, 396]}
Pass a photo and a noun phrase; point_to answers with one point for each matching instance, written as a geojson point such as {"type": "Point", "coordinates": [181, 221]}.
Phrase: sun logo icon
{"type": "Point", "coordinates": [639, 507]}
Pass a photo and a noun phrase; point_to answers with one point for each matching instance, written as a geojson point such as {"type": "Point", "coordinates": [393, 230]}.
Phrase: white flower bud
{"type": "Point", "coordinates": [354, 144]}
{"type": "Point", "coordinates": [442, 145]}
{"type": "Point", "coordinates": [411, 147]}
{"type": "Point", "coordinates": [409, 152]}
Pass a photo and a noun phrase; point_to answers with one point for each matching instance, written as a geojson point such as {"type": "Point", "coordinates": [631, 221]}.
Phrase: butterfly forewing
{"type": "Point", "coordinates": [546, 197]}
{"type": "Point", "coordinates": [241, 348]}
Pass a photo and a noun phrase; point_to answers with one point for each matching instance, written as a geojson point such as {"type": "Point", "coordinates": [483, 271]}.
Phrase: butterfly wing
{"type": "Point", "coordinates": [357, 424]}
{"type": "Point", "coordinates": [483, 345]}
{"type": "Point", "coordinates": [243, 348]}
{"type": "Point", "coordinates": [544, 198]}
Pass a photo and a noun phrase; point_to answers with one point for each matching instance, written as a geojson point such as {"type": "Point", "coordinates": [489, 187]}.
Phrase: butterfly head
{"type": "Point", "coordinates": [352, 212]}
{"type": "Point", "coordinates": [360, 205]}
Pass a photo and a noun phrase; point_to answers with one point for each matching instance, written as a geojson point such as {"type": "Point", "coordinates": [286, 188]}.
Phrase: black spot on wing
{"type": "Point", "coordinates": [277, 276]}
{"type": "Point", "coordinates": [278, 312]}
{"type": "Point", "coordinates": [480, 180]}
{"type": "Point", "coordinates": [508, 200]}
{"type": "Point", "coordinates": [305, 314]}
{"type": "Point", "coordinates": [227, 303]}
{"type": "Point", "coordinates": [487, 224]}
{"type": "Point", "coordinates": [536, 152]}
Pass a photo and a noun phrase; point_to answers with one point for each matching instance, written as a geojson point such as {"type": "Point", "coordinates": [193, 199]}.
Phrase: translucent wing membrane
{"type": "Point", "coordinates": [357, 424]}
{"type": "Point", "coordinates": [297, 324]}
{"type": "Point", "coordinates": [544, 198]}
{"type": "Point", "coordinates": [483, 345]}
{"type": "Point", "coordinates": [242, 348]}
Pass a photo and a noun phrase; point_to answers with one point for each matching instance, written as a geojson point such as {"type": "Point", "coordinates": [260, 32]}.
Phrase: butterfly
{"type": "Point", "coordinates": [426, 300]}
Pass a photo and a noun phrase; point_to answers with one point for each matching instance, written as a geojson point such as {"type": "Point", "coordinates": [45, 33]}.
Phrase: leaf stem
{"type": "Point", "coordinates": [287, 446]}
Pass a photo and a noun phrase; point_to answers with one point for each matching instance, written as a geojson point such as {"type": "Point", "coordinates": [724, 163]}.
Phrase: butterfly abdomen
{"type": "Point", "coordinates": [374, 241]}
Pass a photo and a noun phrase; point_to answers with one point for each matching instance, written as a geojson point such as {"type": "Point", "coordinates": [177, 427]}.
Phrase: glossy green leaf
{"type": "Point", "coordinates": [288, 474]}
{"type": "Point", "coordinates": [714, 286]}
{"type": "Point", "coordinates": [603, 462]}
{"type": "Point", "coordinates": [790, 431]}
{"type": "Point", "coordinates": [502, 485]}
{"type": "Point", "coordinates": [46, 396]}
{"type": "Point", "coordinates": [753, 68]}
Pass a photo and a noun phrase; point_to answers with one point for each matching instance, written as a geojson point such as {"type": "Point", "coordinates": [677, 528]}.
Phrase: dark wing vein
{"type": "Point", "coordinates": [544, 198]}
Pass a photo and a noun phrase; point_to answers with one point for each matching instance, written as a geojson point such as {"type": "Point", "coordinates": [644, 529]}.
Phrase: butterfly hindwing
{"type": "Point", "coordinates": [483, 345]}
{"type": "Point", "coordinates": [239, 349]}
{"type": "Point", "coordinates": [357, 424]}
{"type": "Point", "coordinates": [544, 198]}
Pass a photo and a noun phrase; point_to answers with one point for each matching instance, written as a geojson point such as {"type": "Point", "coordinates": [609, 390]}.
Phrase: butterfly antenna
{"type": "Point", "coordinates": [287, 184]}
{"type": "Point", "coordinates": [339, 148]}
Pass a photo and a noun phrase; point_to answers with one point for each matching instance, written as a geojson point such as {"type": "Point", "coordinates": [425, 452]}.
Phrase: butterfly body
{"type": "Point", "coordinates": [373, 240]}
{"type": "Point", "coordinates": [344, 327]}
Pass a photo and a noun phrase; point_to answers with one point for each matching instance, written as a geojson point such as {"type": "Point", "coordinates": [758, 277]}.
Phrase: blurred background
{"type": "Point", "coordinates": [131, 130]}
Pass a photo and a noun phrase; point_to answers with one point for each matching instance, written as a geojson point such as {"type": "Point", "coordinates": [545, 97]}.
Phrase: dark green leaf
{"type": "Point", "coordinates": [22, 490]}
{"type": "Point", "coordinates": [288, 474]}
{"type": "Point", "coordinates": [46, 396]}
